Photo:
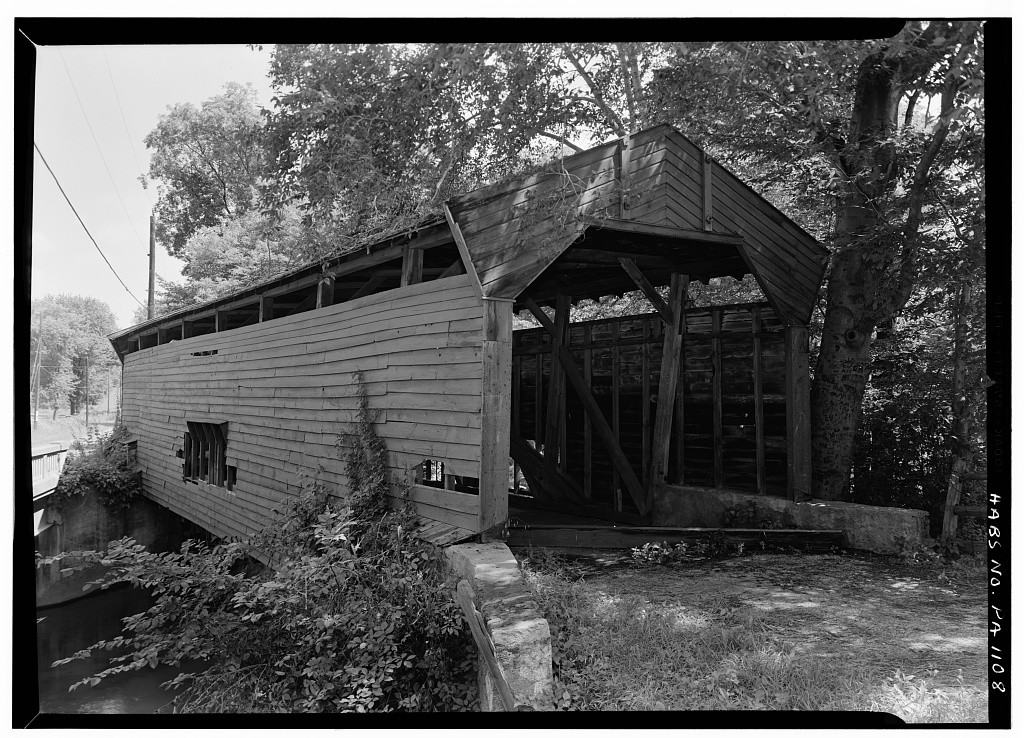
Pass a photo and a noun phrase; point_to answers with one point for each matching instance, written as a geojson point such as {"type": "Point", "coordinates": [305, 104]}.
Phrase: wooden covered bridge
{"type": "Point", "coordinates": [232, 401]}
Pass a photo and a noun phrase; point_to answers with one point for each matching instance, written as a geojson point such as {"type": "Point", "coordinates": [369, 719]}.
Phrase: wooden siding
{"type": "Point", "coordinates": [732, 374]}
{"type": "Point", "coordinates": [514, 230]}
{"type": "Point", "coordinates": [285, 389]}
{"type": "Point", "coordinates": [787, 261]}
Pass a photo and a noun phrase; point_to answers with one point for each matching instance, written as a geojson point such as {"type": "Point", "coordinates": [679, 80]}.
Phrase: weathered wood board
{"type": "Point", "coordinates": [286, 390]}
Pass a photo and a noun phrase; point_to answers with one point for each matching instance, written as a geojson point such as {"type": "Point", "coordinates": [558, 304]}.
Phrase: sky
{"type": "Point", "coordinates": [94, 107]}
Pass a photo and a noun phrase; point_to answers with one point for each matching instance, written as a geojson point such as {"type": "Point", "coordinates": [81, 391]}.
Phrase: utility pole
{"type": "Point", "coordinates": [152, 267]}
{"type": "Point", "coordinates": [86, 393]}
{"type": "Point", "coordinates": [38, 371]}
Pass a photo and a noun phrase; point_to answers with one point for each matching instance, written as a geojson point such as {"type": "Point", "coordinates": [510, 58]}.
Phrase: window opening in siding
{"type": "Point", "coordinates": [295, 302]}
{"type": "Point", "coordinates": [205, 454]}
{"type": "Point", "coordinates": [432, 473]}
{"type": "Point", "coordinates": [203, 326]}
{"type": "Point", "coordinates": [147, 340]}
{"type": "Point", "coordinates": [211, 352]}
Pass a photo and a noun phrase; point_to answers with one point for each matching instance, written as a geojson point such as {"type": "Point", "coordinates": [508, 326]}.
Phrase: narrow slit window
{"type": "Point", "coordinates": [205, 454]}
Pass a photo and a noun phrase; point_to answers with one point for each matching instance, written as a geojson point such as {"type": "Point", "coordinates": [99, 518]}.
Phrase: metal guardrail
{"type": "Point", "coordinates": [47, 461]}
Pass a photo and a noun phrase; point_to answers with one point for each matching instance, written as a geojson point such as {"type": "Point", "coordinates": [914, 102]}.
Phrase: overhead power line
{"type": "Point", "coordinates": [99, 149]}
{"type": "Point", "coordinates": [82, 223]}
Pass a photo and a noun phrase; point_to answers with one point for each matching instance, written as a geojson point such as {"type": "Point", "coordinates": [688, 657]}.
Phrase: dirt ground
{"type": "Point", "coordinates": [895, 615]}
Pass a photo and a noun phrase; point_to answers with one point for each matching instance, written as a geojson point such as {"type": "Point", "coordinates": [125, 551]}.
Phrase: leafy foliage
{"type": "Point", "coordinates": [207, 162]}
{"type": "Point", "coordinates": [356, 615]}
{"type": "Point", "coordinates": [103, 464]}
{"type": "Point", "coordinates": [874, 145]}
{"type": "Point", "coordinates": [68, 332]}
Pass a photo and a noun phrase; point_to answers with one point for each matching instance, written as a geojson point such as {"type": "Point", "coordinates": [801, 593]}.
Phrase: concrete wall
{"type": "Point", "coordinates": [83, 523]}
{"type": "Point", "coordinates": [866, 527]}
{"type": "Point", "coordinates": [521, 636]}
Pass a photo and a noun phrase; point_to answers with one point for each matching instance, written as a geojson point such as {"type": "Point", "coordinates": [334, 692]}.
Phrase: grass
{"type": "Point", "coordinates": [621, 653]}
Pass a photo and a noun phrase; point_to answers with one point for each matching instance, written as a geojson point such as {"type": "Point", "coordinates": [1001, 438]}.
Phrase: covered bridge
{"type": "Point", "coordinates": [233, 401]}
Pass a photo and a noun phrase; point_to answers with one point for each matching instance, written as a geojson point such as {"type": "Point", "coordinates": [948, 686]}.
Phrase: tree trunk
{"type": "Point", "coordinates": [855, 276]}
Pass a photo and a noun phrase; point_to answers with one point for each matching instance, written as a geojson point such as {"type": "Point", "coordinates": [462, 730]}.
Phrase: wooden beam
{"type": "Point", "coordinates": [325, 291]}
{"type": "Point", "coordinates": [412, 266]}
{"type": "Point", "coordinates": [798, 415]}
{"type": "Point", "coordinates": [628, 226]}
{"type": "Point", "coordinates": [616, 415]}
{"type": "Point", "coordinates": [670, 356]}
{"type": "Point", "coordinates": [556, 386]}
{"type": "Point", "coordinates": [755, 326]}
{"type": "Point", "coordinates": [648, 289]}
{"type": "Point", "coordinates": [679, 453]}
{"type": "Point", "coordinates": [588, 472]}
{"type": "Point", "coordinates": [368, 286]}
{"type": "Point", "coordinates": [624, 537]}
{"type": "Point", "coordinates": [460, 241]}
{"type": "Point", "coordinates": [706, 199]}
{"type": "Point", "coordinates": [645, 409]}
{"type": "Point", "coordinates": [546, 481]}
{"type": "Point", "coordinates": [610, 258]}
{"type": "Point", "coordinates": [716, 393]}
{"type": "Point", "coordinates": [266, 308]}
{"type": "Point", "coordinates": [452, 269]}
{"type": "Point", "coordinates": [599, 423]}
{"type": "Point", "coordinates": [495, 412]}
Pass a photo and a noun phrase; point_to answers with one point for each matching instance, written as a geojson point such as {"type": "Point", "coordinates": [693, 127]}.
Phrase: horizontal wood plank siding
{"type": "Point", "coordinates": [515, 230]}
{"type": "Point", "coordinates": [285, 389]}
{"type": "Point", "coordinates": [787, 260]}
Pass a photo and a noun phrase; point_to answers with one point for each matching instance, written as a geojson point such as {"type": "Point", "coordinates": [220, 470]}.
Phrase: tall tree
{"type": "Point", "coordinates": [836, 107]}
{"type": "Point", "coordinates": [68, 335]}
{"type": "Point", "coordinates": [206, 162]}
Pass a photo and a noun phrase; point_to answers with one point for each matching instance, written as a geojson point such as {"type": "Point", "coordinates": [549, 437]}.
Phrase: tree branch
{"type": "Point", "coordinates": [614, 120]}
{"type": "Point", "coordinates": [561, 139]}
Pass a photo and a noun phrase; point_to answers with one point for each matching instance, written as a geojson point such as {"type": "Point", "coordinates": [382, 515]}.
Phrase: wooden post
{"type": "Point", "coordinates": [645, 286]}
{"type": "Point", "coordinates": [645, 408]}
{"type": "Point", "coordinates": [412, 266]}
{"type": "Point", "coordinates": [616, 386]}
{"type": "Point", "coordinates": [670, 355]}
{"type": "Point", "coordinates": [87, 392]}
{"type": "Point", "coordinates": [755, 326]}
{"type": "Point", "coordinates": [151, 299]}
{"type": "Point", "coordinates": [495, 421]}
{"type": "Point", "coordinates": [554, 419]}
{"type": "Point", "coordinates": [706, 204]}
{"type": "Point", "coordinates": [678, 476]}
{"type": "Point", "coordinates": [538, 400]}
{"type": "Point", "coordinates": [949, 518]}
{"type": "Point", "coordinates": [38, 370]}
{"type": "Point", "coordinates": [716, 393]}
{"type": "Point", "coordinates": [325, 291]}
{"type": "Point", "coordinates": [266, 308]}
{"type": "Point", "coordinates": [600, 424]}
{"type": "Point", "coordinates": [588, 447]}
{"type": "Point", "coordinates": [798, 415]}
{"type": "Point", "coordinates": [217, 322]}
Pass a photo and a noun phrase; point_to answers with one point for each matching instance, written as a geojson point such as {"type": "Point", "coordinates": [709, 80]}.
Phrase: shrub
{"type": "Point", "coordinates": [103, 464]}
{"type": "Point", "coordinates": [356, 616]}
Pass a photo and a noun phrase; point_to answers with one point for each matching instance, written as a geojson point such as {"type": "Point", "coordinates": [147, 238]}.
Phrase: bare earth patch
{"type": "Point", "coordinates": [770, 632]}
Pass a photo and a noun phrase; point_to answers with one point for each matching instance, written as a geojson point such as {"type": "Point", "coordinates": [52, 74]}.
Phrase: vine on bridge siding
{"type": "Point", "coordinates": [356, 616]}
